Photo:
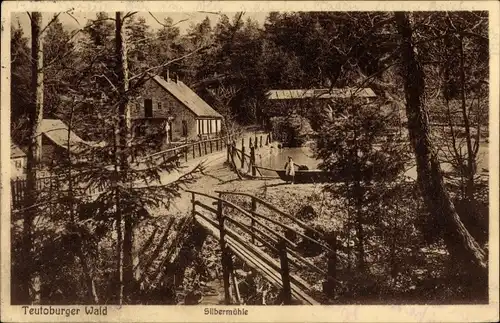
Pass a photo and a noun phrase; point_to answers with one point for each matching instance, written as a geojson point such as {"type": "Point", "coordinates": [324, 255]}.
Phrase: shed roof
{"type": "Point", "coordinates": [16, 152]}
{"type": "Point", "coordinates": [187, 97]}
{"type": "Point", "coordinates": [57, 132]}
{"type": "Point", "coordinates": [335, 93]}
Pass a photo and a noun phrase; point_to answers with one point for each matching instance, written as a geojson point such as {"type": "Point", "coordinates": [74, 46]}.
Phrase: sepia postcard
{"type": "Point", "coordinates": [260, 161]}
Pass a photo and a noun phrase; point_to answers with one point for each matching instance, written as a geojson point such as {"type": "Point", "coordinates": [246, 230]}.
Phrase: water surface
{"type": "Point", "coordinates": [304, 156]}
{"type": "Point", "coordinates": [278, 158]}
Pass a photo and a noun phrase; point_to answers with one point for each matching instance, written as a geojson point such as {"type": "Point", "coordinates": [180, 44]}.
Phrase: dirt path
{"type": "Point", "coordinates": [216, 176]}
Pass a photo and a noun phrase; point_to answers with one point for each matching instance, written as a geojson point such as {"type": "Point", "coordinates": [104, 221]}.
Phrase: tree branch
{"type": "Point", "coordinates": [54, 18]}
{"type": "Point", "coordinates": [128, 15]}
{"type": "Point", "coordinates": [165, 25]}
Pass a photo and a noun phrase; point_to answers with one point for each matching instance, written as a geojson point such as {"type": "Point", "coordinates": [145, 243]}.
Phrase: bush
{"type": "Point", "coordinates": [292, 130]}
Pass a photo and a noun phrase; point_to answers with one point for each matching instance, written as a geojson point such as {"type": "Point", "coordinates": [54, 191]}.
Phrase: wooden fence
{"type": "Point", "coordinates": [289, 247]}
{"type": "Point", "coordinates": [189, 151]}
{"type": "Point", "coordinates": [18, 186]}
{"type": "Point", "coordinates": [239, 158]}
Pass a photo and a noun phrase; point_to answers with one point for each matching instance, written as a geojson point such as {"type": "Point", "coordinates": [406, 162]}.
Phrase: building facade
{"type": "Point", "coordinates": [171, 107]}
{"type": "Point", "coordinates": [17, 162]}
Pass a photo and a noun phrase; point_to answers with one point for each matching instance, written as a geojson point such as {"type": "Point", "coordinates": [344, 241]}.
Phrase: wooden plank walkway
{"type": "Point", "coordinates": [252, 256]}
{"type": "Point", "coordinates": [239, 239]}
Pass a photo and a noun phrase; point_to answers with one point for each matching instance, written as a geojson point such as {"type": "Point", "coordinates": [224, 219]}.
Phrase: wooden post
{"type": "Point", "coordinates": [233, 153]}
{"type": "Point", "coordinates": [205, 144]}
{"type": "Point", "coordinates": [242, 156]}
{"type": "Point", "coordinates": [252, 225]}
{"type": "Point", "coordinates": [228, 148]}
{"type": "Point", "coordinates": [235, 285]}
{"type": "Point", "coordinates": [256, 144]}
{"type": "Point", "coordinates": [267, 139]}
{"type": "Point", "coordinates": [260, 141]}
{"type": "Point", "coordinates": [270, 137]}
{"type": "Point", "coordinates": [252, 160]}
{"type": "Point", "coordinates": [194, 155]}
{"type": "Point", "coordinates": [193, 199]}
{"type": "Point", "coordinates": [211, 147]}
{"type": "Point", "coordinates": [230, 269]}
{"type": "Point", "coordinates": [329, 284]}
{"type": "Point", "coordinates": [285, 273]}
{"type": "Point", "coordinates": [199, 149]}
{"type": "Point", "coordinates": [225, 254]}
{"type": "Point", "coordinates": [13, 193]}
{"type": "Point", "coordinates": [250, 142]}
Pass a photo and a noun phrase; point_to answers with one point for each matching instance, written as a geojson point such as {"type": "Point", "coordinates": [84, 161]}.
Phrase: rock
{"type": "Point", "coordinates": [306, 213]}
{"type": "Point", "coordinates": [193, 298]}
{"type": "Point", "coordinates": [291, 235]}
{"type": "Point", "coordinates": [308, 247]}
{"type": "Point", "coordinates": [240, 273]}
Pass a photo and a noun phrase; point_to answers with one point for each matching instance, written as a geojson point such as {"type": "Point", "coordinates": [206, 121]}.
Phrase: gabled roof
{"type": "Point", "coordinates": [187, 97]}
{"type": "Point", "coordinates": [16, 152]}
{"type": "Point", "coordinates": [335, 93]}
{"type": "Point", "coordinates": [57, 132]}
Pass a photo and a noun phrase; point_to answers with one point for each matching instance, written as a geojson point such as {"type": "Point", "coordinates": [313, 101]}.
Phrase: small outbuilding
{"type": "Point", "coordinates": [55, 140]}
{"type": "Point", "coordinates": [17, 161]}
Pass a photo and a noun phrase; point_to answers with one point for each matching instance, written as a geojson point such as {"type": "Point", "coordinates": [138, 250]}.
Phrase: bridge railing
{"type": "Point", "coordinates": [242, 158]}
{"type": "Point", "coordinates": [329, 246]}
{"type": "Point", "coordinates": [277, 243]}
{"type": "Point", "coordinates": [190, 150]}
{"type": "Point", "coordinates": [221, 223]}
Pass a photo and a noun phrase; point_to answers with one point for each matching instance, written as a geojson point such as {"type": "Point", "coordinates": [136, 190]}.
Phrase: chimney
{"type": "Point", "coordinates": [167, 75]}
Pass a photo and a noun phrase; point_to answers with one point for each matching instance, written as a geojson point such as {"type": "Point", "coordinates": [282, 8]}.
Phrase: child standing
{"type": "Point", "coordinates": [290, 170]}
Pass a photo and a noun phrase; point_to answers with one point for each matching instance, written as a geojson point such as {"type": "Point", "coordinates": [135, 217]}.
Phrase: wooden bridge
{"type": "Point", "coordinates": [276, 257]}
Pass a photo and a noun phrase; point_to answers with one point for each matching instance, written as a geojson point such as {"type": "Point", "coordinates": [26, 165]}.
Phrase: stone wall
{"type": "Point", "coordinates": [165, 105]}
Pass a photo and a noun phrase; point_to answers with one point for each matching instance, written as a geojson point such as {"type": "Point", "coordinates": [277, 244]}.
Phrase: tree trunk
{"type": "Point", "coordinates": [187, 253]}
{"type": "Point", "coordinates": [360, 235]}
{"type": "Point", "coordinates": [456, 237]}
{"type": "Point", "coordinates": [33, 160]}
{"type": "Point", "coordinates": [88, 277]}
{"type": "Point", "coordinates": [119, 224]}
{"type": "Point", "coordinates": [470, 171]}
{"type": "Point", "coordinates": [87, 271]}
{"type": "Point", "coordinates": [124, 135]}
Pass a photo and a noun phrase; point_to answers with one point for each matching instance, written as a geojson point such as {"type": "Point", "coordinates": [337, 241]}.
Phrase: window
{"type": "Point", "coordinates": [217, 125]}
{"type": "Point", "coordinates": [148, 108]}
{"type": "Point", "coordinates": [184, 128]}
{"type": "Point", "coordinates": [212, 126]}
{"type": "Point", "coordinates": [159, 105]}
{"type": "Point", "coordinates": [19, 163]}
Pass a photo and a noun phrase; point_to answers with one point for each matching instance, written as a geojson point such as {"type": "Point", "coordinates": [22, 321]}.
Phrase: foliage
{"type": "Point", "coordinates": [293, 130]}
{"type": "Point", "coordinates": [352, 147]}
